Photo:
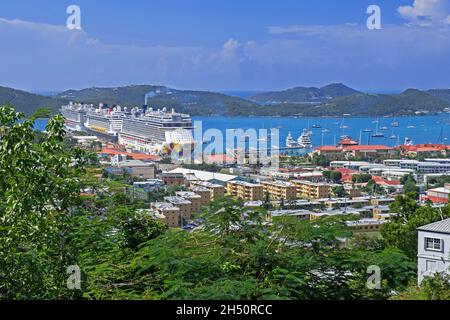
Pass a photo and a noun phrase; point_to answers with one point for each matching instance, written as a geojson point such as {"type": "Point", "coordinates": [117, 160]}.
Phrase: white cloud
{"type": "Point", "coordinates": [426, 13]}
{"type": "Point", "coordinates": [39, 54]}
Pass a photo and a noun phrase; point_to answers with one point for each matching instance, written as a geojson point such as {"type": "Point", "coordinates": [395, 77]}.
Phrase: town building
{"type": "Point", "coordinates": [172, 215]}
{"type": "Point", "coordinates": [278, 190]}
{"type": "Point", "coordinates": [183, 204]}
{"type": "Point", "coordinates": [439, 195]}
{"type": "Point", "coordinates": [194, 198]}
{"type": "Point", "coordinates": [135, 168]}
{"type": "Point", "coordinates": [312, 190]}
{"type": "Point", "coordinates": [433, 249]}
{"type": "Point", "coordinates": [204, 193]}
{"type": "Point", "coordinates": [172, 179]}
{"type": "Point", "coordinates": [245, 190]}
{"type": "Point", "coordinates": [217, 191]}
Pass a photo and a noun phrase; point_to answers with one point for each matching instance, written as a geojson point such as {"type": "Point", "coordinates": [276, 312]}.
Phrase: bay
{"type": "Point", "coordinates": [420, 129]}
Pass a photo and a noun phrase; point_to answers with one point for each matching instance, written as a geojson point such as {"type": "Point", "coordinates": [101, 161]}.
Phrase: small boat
{"type": "Point", "coordinates": [326, 131]}
{"type": "Point", "coordinates": [393, 137]}
{"type": "Point", "coordinates": [378, 135]}
{"type": "Point", "coordinates": [395, 124]}
{"type": "Point", "coordinates": [384, 128]}
{"type": "Point", "coordinates": [411, 127]}
{"type": "Point", "coordinates": [316, 126]}
{"type": "Point", "coordinates": [367, 130]}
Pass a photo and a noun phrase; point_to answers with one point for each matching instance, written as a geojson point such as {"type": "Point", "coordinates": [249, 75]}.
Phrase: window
{"type": "Point", "coordinates": [433, 244]}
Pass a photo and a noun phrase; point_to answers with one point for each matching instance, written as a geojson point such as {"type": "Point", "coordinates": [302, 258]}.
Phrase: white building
{"type": "Point", "coordinates": [433, 249]}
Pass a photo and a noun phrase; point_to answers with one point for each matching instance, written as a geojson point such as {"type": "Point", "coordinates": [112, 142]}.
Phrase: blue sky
{"type": "Point", "coordinates": [225, 44]}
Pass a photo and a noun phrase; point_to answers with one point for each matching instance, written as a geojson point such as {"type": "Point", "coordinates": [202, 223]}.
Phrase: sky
{"type": "Point", "coordinates": [225, 44]}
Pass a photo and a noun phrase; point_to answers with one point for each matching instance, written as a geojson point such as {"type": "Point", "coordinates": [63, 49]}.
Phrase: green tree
{"type": "Point", "coordinates": [339, 191]}
{"type": "Point", "coordinates": [39, 188]}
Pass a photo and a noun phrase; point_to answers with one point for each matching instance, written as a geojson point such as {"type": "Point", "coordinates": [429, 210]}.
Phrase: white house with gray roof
{"type": "Point", "coordinates": [433, 249]}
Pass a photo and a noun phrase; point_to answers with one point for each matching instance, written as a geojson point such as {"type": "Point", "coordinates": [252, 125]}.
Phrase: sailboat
{"type": "Point", "coordinates": [410, 126]}
{"type": "Point", "coordinates": [377, 133]}
{"type": "Point", "coordinates": [393, 135]}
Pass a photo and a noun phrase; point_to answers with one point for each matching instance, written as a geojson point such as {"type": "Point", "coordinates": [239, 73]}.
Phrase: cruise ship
{"type": "Point", "coordinates": [75, 116]}
{"type": "Point", "coordinates": [106, 122]}
{"type": "Point", "coordinates": [141, 129]}
{"type": "Point", "coordinates": [151, 130]}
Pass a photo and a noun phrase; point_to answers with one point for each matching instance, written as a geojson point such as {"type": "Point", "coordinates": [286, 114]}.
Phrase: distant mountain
{"type": "Point", "coordinates": [407, 103]}
{"type": "Point", "coordinates": [192, 102]}
{"type": "Point", "coordinates": [28, 102]}
{"type": "Point", "coordinates": [302, 95]}
{"type": "Point", "coordinates": [332, 100]}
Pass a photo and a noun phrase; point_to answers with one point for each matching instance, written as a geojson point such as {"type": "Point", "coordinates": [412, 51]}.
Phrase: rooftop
{"type": "Point", "coordinates": [177, 200]}
{"type": "Point", "coordinates": [440, 226]}
{"type": "Point", "coordinates": [205, 175]}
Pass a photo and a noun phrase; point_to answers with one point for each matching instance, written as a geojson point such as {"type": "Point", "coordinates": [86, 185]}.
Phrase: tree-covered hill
{"type": "Point", "coordinates": [27, 102]}
{"type": "Point", "coordinates": [300, 95]}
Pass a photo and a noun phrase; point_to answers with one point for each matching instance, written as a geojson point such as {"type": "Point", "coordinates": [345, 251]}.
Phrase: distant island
{"type": "Point", "coordinates": [332, 100]}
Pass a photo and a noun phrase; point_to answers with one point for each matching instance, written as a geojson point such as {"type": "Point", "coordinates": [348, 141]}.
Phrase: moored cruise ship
{"type": "Point", "coordinates": [75, 115]}
{"type": "Point", "coordinates": [106, 122]}
{"type": "Point", "coordinates": [151, 130]}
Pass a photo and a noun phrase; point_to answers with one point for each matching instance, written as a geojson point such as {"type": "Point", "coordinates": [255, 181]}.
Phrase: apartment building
{"type": "Point", "coordinates": [204, 193]}
{"type": "Point", "coordinates": [217, 190]}
{"type": "Point", "coordinates": [183, 204]}
{"type": "Point", "coordinates": [195, 199]}
{"type": "Point", "coordinates": [312, 190]}
{"type": "Point", "coordinates": [172, 179]}
{"type": "Point", "coordinates": [172, 216]}
{"type": "Point", "coordinates": [245, 190]}
{"type": "Point", "coordinates": [278, 190]}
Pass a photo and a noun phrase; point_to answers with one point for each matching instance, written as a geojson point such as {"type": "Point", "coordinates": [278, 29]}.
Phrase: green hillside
{"type": "Point", "coordinates": [28, 102]}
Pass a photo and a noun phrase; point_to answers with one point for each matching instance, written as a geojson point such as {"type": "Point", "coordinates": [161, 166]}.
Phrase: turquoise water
{"type": "Point", "coordinates": [427, 129]}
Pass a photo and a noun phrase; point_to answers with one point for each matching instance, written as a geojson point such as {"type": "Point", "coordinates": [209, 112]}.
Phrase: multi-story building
{"type": "Point", "coordinates": [245, 190]}
{"type": "Point", "coordinates": [169, 211]}
{"type": "Point", "coordinates": [183, 204]}
{"type": "Point", "coordinates": [278, 190]}
{"type": "Point", "coordinates": [135, 168]}
{"type": "Point", "coordinates": [195, 199]}
{"type": "Point", "coordinates": [367, 225]}
{"type": "Point", "coordinates": [204, 193]}
{"type": "Point", "coordinates": [439, 195]}
{"type": "Point", "coordinates": [312, 190]}
{"type": "Point", "coordinates": [433, 249]}
{"type": "Point", "coordinates": [217, 190]}
{"type": "Point", "coordinates": [172, 179]}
